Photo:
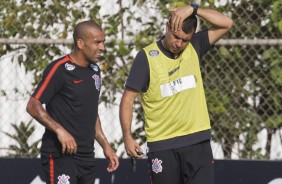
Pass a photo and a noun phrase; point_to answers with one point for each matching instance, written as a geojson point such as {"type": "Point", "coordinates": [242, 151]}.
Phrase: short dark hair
{"type": "Point", "coordinates": [189, 24]}
{"type": "Point", "coordinates": [81, 29]}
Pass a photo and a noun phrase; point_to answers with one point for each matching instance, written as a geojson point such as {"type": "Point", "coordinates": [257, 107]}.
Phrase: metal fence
{"type": "Point", "coordinates": [242, 74]}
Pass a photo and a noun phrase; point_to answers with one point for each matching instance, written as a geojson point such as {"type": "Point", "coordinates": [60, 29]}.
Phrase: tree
{"type": "Point", "coordinates": [242, 82]}
{"type": "Point", "coordinates": [41, 19]}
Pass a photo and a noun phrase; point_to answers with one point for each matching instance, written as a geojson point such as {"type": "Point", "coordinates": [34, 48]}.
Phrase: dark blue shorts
{"type": "Point", "coordinates": [187, 165]}
{"type": "Point", "coordinates": [67, 169]}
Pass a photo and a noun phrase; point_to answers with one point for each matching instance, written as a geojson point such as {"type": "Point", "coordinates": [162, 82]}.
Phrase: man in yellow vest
{"type": "Point", "coordinates": [167, 76]}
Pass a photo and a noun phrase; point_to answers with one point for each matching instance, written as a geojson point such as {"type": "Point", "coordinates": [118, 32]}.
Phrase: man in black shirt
{"type": "Point", "coordinates": [70, 89]}
{"type": "Point", "coordinates": [167, 76]}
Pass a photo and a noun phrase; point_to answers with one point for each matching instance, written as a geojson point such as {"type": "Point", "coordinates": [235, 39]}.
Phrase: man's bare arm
{"type": "Point", "coordinates": [36, 110]}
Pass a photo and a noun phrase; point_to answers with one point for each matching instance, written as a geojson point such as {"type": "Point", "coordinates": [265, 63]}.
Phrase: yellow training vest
{"type": "Point", "coordinates": [174, 104]}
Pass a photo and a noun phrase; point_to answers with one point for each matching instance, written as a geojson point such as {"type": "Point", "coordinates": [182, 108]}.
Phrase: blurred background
{"type": "Point", "coordinates": [242, 74]}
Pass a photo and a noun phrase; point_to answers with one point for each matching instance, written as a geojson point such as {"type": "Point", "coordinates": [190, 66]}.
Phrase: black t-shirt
{"type": "Point", "coordinates": [70, 93]}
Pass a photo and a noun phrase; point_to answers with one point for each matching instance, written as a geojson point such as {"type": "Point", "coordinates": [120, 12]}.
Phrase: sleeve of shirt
{"type": "Point", "coordinates": [201, 43]}
{"type": "Point", "coordinates": [138, 78]}
{"type": "Point", "coordinates": [50, 84]}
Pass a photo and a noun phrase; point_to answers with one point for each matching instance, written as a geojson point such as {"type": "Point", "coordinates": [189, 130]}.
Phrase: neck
{"type": "Point", "coordinates": [176, 56]}
{"type": "Point", "coordinates": [164, 43]}
{"type": "Point", "coordinates": [77, 59]}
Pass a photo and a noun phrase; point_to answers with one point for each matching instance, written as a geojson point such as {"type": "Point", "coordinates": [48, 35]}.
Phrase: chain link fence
{"type": "Point", "coordinates": [242, 74]}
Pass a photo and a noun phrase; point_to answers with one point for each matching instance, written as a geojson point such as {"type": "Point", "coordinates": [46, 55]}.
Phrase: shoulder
{"type": "Point", "coordinates": [141, 55]}
{"type": "Point", "coordinates": [58, 67]}
{"type": "Point", "coordinates": [200, 42]}
{"type": "Point", "coordinates": [200, 37]}
{"type": "Point", "coordinates": [63, 63]}
{"type": "Point", "coordinates": [141, 61]}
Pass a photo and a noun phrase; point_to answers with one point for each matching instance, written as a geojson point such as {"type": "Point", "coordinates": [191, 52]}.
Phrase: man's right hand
{"type": "Point", "coordinates": [36, 110]}
{"type": "Point", "coordinates": [131, 146]}
{"type": "Point", "coordinates": [66, 139]}
{"type": "Point", "coordinates": [178, 16]}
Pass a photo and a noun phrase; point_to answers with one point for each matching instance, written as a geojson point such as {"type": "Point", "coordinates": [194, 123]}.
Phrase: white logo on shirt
{"type": "Point", "coordinates": [94, 67]}
{"type": "Point", "coordinates": [153, 53]}
{"type": "Point", "coordinates": [69, 67]}
{"type": "Point", "coordinates": [97, 81]}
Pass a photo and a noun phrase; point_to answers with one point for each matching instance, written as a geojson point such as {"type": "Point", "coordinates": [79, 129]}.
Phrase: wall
{"type": "Point", "coordinates": [28, 171]}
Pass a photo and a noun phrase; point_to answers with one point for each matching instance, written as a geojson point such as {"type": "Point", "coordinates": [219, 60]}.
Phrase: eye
{"type": "Point", "coordinates": [176, 37]}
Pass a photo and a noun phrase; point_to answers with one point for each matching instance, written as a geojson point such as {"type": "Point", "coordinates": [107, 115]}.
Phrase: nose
{"type": "Point", "coordinates": [179, 43]}
{"type": "Point", "coordinates": [102, 46]}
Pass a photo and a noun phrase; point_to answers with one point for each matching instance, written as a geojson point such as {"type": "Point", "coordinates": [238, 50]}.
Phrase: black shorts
{"type": "Point", "coordinates": [187, 165]}
{"type": "Point", "coordinates": [67, 169]}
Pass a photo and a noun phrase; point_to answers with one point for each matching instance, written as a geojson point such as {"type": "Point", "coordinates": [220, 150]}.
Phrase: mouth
{"type": "Point", "coordinates": [175, 50]}
{"type": "Point", "coordinates": [98, 57]}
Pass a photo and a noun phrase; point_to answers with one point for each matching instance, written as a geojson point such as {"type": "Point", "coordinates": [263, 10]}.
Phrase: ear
{"type": "Point", "coordinates": [167, 27]}
{"type": "Point", "coordinates": [80, 43]}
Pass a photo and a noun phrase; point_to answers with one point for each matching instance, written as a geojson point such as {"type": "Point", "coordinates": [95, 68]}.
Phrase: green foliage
{"type": "Point", "coordinates": [275, 59]}
{"type": "Point", "coordinates": [242, 83]}
{"type": "Point", "coordinates": [276, 15]}
{"type": "Point", "coordinates": [118, 59]}
{"type": "Point", "coordinates": [36, 19]}
{"type": "Point", "coordinates": [22, 134]}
